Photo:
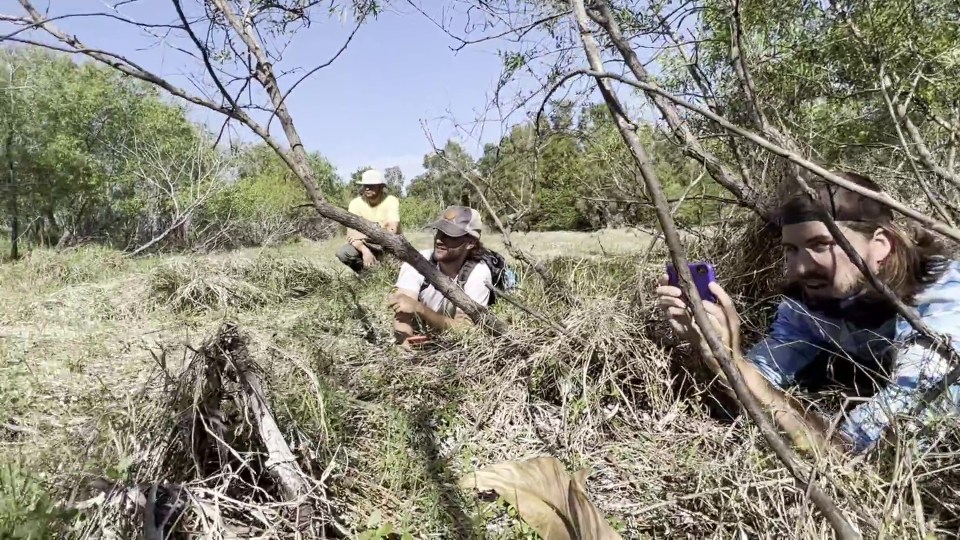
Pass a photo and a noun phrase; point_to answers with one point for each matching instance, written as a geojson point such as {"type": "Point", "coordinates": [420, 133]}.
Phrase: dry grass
{"type": "Point", "coordinates": [197, 285]}
{"type": "Point", "coordinates": [107, 393]}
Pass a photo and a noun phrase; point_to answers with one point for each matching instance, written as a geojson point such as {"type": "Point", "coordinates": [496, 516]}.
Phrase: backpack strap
{"type": "Point", "coordinates": [466, 270]}
{"type": "Point", "coordinates": [447, 308]}
{"type": "Point", "coordinates": [424, 284]}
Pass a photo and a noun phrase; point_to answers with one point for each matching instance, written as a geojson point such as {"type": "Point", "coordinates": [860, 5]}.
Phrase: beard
{"type": "Point", "coordinates": [861, 304]}
{"type": "Point", "coordinates": [445, 253]}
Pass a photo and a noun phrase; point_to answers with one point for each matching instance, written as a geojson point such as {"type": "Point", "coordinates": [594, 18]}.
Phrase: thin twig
{"type": "Point", "coordinates": [906, 149]}
{"type": "Point", "coordinates": [776, 441]}
{"type": "Point", "coordinates": [883, 198]}
{"type": "Point", "coordinates": [532, 312]}
{"type": "Point", "coordinates": [295, 157]}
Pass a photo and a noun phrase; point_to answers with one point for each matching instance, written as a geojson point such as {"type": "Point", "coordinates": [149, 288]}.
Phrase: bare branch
{"type": "Point", "coordinates": [206, 57]}
{"type": "Point", "coordinates": [741, 69]}
{"type": "Point", "coordinates": [926, 157]}
{"type": "Point", "coordinates": [519, 32]}
{"type": "Point", "coordinates": [701, 80]}
{"type": "Point", "coordinates": [795, 158]}
{"type": "Point", "coordinates": [718, 170]}
{"type": "Point", "coordinates": [934, 201]}
{"type": "Point", "coordinates": [317, 68]}
{"type": "Point", "coordinates": [124, 65]}
{"type": "Point", "coordinates": [677, 252]}
{"type": "Point", "coordinates": [31, 25]}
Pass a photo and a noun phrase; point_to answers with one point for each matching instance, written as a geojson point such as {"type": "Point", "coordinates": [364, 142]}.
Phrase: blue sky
{"type": "Point", "coordinates": [364, 109]}
{"type": "Point", "coordinates": [368, 108]}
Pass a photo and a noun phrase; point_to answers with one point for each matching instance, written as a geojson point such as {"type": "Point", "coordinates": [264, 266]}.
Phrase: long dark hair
{"type": "Point", "coordinates": [917, 258]}
{"type": "Point", "coordinates": [477, 252]}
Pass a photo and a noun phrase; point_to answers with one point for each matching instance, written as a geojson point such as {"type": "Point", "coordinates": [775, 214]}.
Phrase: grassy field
{"type": "Point", "coordinates": [101, 366]}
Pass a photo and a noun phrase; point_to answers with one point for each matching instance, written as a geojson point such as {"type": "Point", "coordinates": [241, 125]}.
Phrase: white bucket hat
{"type": "Point", "coordinates": [371, 177]}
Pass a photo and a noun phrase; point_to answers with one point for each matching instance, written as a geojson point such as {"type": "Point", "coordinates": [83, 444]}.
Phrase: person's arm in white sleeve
{"type": "Point", "coordinates": [405, 293]}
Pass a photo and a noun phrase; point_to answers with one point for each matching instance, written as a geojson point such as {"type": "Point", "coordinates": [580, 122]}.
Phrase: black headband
{"type": "Point", "coordinates": [838, 203]}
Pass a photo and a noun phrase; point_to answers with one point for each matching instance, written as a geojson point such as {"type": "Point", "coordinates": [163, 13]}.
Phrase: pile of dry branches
{"type": "Point", "coordinates": [215, 462]}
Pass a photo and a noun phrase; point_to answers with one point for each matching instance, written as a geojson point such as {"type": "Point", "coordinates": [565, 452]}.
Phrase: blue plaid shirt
{"type": "Point", "coordinates": [798, 335]}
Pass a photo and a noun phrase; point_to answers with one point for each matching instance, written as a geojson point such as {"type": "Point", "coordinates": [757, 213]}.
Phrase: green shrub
{"type": "Point", "coordinates": [416, 212]}
{"type": "Point", "coordinates": [27, 511]}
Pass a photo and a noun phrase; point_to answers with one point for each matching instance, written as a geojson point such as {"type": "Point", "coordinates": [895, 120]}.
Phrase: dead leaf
{"type": "Point", "coordinates": [549, 499]}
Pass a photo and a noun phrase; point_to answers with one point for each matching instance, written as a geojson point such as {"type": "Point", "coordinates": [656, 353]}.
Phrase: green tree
{"type": "Point", "coordinates": [266, 204]}
{"type": "Point", "coordinates": [394, 177]}
{"type": "Point", "coordinates": [442, 179]}
{"type": "Point", "coordinates": [574, 173]}
{"type": "Point", "coordinates": [70, 134]}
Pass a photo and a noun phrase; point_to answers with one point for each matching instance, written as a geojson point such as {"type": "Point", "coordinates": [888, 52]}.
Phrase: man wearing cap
{"type": "Point", "coordinates": [457, 253]}
{"type": "Point", "coordinates": [375, 205]}
{"type": "Point", "coordinates": [833, 328]}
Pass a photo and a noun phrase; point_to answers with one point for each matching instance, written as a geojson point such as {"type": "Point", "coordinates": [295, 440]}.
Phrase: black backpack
{"type": "Point", "coordinates": [502, 277]}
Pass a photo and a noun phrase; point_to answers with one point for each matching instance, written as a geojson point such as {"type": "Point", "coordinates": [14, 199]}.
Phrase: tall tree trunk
{"type": "Point", "coordinates": [12, 206]}
{"type": "Point", "coordinates": [50, 230]}
{"type": "Point", "coordinates": [14, 229]}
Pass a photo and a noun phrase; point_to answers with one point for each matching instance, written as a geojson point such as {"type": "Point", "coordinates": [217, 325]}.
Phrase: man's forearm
{"type": "Point", "coordinates": [363, 249]}
{"type": "Point", "coordinates": [806, 428]}
{"type": "Point", "coordinates": [354, 235]}
{"type": "Point", "coordinates": [438, 320]}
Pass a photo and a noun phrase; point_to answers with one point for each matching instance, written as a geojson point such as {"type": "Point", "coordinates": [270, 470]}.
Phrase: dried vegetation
{"type": "Point", "coordinates": [154, 419]}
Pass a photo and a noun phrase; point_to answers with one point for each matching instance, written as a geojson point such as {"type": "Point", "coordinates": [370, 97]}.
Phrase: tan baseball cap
{"type": "Point", "coordinates": [458, 221]}
{"type": "Point", "coordinates": [371, 177]}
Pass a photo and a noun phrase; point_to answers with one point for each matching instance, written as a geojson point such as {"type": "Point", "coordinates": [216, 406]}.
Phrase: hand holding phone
{"type": "Point", "coordinates": [703, 274]}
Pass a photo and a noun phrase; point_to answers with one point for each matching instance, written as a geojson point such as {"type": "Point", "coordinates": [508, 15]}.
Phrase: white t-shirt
{"type": "Point", "coordinates": [475, 287]}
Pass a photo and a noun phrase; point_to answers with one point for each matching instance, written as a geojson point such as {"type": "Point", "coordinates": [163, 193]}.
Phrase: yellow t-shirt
{"type": "Point", "coordinates": [387, 211]}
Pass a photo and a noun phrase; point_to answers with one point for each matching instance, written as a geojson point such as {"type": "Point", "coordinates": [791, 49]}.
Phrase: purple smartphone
{"type": "Point", "coordinates": [703, 274]}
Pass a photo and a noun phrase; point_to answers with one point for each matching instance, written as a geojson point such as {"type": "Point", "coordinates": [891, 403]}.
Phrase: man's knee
{"type": "Point", "coordinates": [349, 255]}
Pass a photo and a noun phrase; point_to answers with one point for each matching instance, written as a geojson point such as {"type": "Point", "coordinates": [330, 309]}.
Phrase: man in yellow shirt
{"type": "Point", "coordinates": [376, 205]}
